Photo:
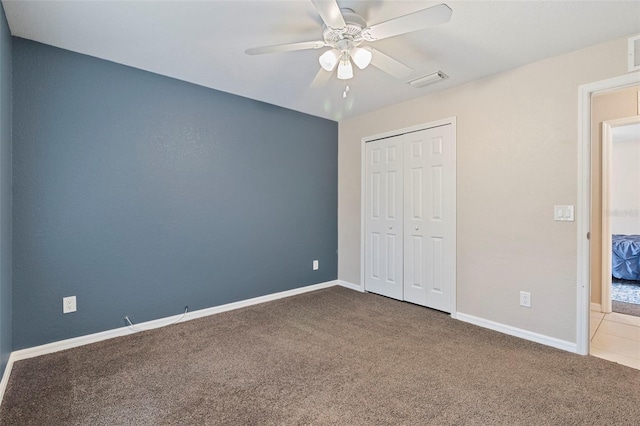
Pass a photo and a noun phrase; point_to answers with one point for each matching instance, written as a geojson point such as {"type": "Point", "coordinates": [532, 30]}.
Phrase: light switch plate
{"type": "Point", "coordinates": [563, 213]}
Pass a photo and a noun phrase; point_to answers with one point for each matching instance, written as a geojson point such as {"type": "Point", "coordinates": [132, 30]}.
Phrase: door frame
{"type": "Point", "coordinates": [416, 128]}
{"type": "Point", "coordinates": [607, 167]}
{"type": "Point", "coordinates": [583, 213]}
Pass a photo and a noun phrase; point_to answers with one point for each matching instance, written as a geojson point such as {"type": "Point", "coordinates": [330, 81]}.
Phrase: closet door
{"type": "Point", "coordinates": [428, 218]}
{"type": "Point", "coordinates": [383, 217]}
{"type": "Point", "coordinates": [416, 180]}
{"type": "Point", "coordinates": [440, 253]}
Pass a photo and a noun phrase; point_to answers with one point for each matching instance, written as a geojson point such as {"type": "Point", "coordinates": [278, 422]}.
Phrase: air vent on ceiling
{"type": "Point", "coordinates": [429, 79]}
{"type": "Point", "coordinates": [634, 53]}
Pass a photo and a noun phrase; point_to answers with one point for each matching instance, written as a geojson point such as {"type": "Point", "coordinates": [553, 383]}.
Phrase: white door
{"type": "Point", "coordinates": [440, 216]}
{"type": "Point", "coordinates": [383, 220]}
{"type": "Point", "coordinates": [416, 180]}
{"type": "Point", "coordinates": [428, 217]}
{"type": "Point", "coordinates": [410, 217]}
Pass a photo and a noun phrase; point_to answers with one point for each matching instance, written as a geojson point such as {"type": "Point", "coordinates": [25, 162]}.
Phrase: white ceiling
{"type": "Point", "coordinates": [203, 42]}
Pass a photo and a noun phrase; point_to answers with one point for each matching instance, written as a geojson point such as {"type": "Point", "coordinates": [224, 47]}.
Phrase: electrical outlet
{"type": "Point", "coordinates": [316, 265]}
{"type": "Point", "coordinates": [68, 304]}
{"type": "Point", "coordinates": [525, 299]}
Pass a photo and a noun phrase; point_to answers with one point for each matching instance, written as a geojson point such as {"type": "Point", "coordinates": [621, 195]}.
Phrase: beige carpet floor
{"type": "Point", "coordinates": [330, 357]}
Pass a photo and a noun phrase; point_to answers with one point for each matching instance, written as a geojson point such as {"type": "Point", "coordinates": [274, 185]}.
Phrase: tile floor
{"type": "Point", "coordinates": [616, 337]}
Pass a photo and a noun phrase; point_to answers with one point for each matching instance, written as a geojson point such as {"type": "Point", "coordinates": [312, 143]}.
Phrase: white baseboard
{"type": "Point", "coordinates": [352, 286]}
{"type": "Point", "coordinates": [596, 307]}
{"type": "Point", "coordinates": [519, 332]}
{"type": "Point", "coordinates": [149, 325]}
{"type": "Point", "coordinates": [5, 376]}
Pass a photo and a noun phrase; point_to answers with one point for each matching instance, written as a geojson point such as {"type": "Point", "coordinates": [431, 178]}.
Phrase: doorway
{"type": "Point", "coordinates": [621, 216]}
{"type": "Point", "coordinates": [610, 336]}
{"type": "Point", "coordinates": [583, 213]}
{"type": "Point", "coordinates": [615, 326]}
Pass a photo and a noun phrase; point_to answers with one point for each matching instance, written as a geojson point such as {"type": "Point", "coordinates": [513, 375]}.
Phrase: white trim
{"type": "Point", "coordinates": [352, 286]}
{"type": "Point", "coordinates": [423, 126]}
{"type": "Point", "coordinates": [162, 322]}
{"type": "Point", "coordinates": [417, 128]}
{"type": "Point", "coordinates": [605, 223]}
{"type": "Point", "coordinates": [454, 184]}
{"type": "Point", "coordinates": [583, 213]}
{"type": "Point", "coordinates": [363, 198]}
{"type": "Point", "coordinates": [5, 376]}
{"type": "Point", "coordinates": [518, 332]}
{"type": "Point", "coordinates": [596, 307]}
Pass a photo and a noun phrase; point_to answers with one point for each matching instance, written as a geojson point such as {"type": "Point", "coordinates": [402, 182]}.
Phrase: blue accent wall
{"type": "Point", "coordinates": [5, 192]}
{"type": "Point", "coordinates": [141, 194]}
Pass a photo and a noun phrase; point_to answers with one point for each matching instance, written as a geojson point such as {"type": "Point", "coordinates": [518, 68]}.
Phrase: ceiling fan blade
{"type": "Point", "coordinates": [389, 65]}
{"type": "Point", "coordinates": [421, 19]}
{"type": "Point", "coordinates": [321, 78]}
{"type": "Point", "coordinates": [285, 47]}
{"type": "Point", "coordinates": [330, 13]}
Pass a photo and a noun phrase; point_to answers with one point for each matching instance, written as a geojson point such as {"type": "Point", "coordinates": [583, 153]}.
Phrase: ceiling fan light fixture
{"type": "Point", "coordinates": [361, 57]}
{"type": "Point", "coordinates": [345, 69]}
{"type": "Point", "coordinates": [329, 59]}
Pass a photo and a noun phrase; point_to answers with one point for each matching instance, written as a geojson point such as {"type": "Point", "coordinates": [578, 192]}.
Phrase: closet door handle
{"type": "Point", "coordinates": [417, 228]}
{"type": "Point", "coordinates": [390, 226]}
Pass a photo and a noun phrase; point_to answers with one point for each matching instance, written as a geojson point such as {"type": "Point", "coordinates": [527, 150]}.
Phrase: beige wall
{"type": "Point", "coordinates": [516, 157]}
{"type": "Point", "coordinates": [608, 106]}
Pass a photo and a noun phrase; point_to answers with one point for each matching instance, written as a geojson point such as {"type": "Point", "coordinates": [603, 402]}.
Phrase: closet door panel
{"type": "Point", "coordinates": [383, 217]}
{"type": "Point", "coordinates": [415, 207]}
{"type": "Point", "coordinates": [440, 220]}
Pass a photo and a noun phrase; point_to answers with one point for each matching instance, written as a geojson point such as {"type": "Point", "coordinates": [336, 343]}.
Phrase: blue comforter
{"type": "Point", "coordinates": [625, 257]}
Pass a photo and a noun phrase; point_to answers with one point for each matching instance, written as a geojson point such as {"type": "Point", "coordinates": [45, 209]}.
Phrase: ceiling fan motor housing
{"type": "Point", "coordinates": [352, 31]}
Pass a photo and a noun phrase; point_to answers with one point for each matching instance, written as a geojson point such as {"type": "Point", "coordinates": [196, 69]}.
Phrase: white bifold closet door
{"type": "Point", "coordinates": [409, 220]}
{"type": "Point", "coordinates": [384, 217]}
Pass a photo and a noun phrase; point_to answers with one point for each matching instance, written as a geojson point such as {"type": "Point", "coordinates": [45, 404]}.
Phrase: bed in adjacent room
{"type": "Point", "coordinates": [625, 257]}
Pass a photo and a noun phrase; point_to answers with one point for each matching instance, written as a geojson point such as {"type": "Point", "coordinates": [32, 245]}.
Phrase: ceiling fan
{"type": "Point", "coordinates": [345, 32]}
